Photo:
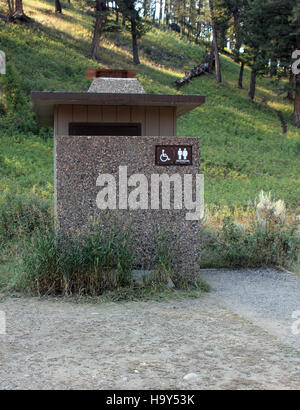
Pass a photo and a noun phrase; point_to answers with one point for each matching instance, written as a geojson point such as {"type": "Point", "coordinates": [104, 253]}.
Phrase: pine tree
{"type": "Point", "coordinates": [58, 7]}
{"type": "Point", "coordinates": [160, 12]}
{"type": "Point", "coordinates": [146, 8]}
{"type": "Point", "coordinates": [295, 22]}
{"type": "Point", "coordinates": [255, 35]}
{"type": "Point", "coordinates": [275, 31]}
{"type": "Point", "coordinates": [137, 28]}
{"type": "Point", "coordinates": [192, 17]}
{"type": "Point", "coordinates": [236, 12]}
{"type": "Point", "coordinates": [222, 18]}
{"type": "Point", "coordinates": [167, 11]}
{"type": "Point", "coordinates": [101, 15]}
{"type": "Point", "coordinates": [178, 8]}
{"type": "Point", "coordinates": [16, 11]}
{"type": "Point", "coordinates": [215, 42]}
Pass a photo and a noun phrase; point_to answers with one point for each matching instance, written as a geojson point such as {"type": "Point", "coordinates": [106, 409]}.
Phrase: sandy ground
{"type": "Point", "coordinates": [140, 345]}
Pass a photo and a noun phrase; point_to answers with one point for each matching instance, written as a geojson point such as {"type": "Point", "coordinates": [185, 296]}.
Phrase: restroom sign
{"type": "Point", "coordinates": [173, 155]}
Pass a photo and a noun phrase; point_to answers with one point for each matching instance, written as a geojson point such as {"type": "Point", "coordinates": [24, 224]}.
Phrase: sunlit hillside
{"type": "Point", "coordinates": [244, 148]}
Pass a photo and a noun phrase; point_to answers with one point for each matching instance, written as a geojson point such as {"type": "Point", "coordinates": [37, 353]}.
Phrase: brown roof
{"type": "Point", "coordinates": [44, 102]}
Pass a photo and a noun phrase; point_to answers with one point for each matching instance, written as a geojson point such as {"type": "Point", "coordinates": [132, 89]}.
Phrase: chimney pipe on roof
{"type": "Point", "coordinates": [110, 73]}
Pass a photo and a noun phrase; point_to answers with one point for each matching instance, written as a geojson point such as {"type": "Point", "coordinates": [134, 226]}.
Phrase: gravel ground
{"type": "Point", "coordinates": [267, 297]}
{"type": "Point", "coordinates": [54, 344]}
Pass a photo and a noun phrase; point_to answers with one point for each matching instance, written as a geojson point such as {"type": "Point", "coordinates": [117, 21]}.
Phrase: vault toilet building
{"type": "Point", "coordinates": [117, 129]}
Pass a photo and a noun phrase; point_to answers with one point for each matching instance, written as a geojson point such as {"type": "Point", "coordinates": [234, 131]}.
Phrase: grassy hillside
{"type": "Point", "coordinates": [243, 147]}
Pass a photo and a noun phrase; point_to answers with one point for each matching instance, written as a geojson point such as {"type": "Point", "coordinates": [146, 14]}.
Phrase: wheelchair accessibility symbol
{"type": "Point", "coordinates": [164, 157]}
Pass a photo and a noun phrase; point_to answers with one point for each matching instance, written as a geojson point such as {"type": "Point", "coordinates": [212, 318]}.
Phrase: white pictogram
{"type": "Point", "coordinates": [182, 154]}
{"type": "Point", "coordinates": [164, 157]}
{"type": "Point", "coordinates": [179, 154]}
{"type": "Point", "coordinates": [185, 154]}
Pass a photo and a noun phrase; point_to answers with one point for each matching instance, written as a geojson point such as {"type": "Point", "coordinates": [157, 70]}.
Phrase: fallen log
{"type": "Point", "coordinates": [203, 68]}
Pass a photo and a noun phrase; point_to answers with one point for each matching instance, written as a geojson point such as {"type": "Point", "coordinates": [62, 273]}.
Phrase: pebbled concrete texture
{"type": "Point", "coordinates": [267, 297]}
{"type": "Point", "coordinates": [79, 162]}
{"type": "Point", "coordinates": [116, 85]}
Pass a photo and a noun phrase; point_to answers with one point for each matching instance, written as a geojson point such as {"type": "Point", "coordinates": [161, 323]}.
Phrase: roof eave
{"type": "Point", "coordinates": [44, 102]}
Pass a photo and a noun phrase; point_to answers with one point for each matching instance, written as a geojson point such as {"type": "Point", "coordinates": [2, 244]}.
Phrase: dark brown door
{"type": "Point", "coordinates": [104, 128]}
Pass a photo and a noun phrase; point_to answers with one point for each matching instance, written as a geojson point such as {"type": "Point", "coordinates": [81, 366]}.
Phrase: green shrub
{"type": "Point", "coordinates": [257, 245]}
{"type": "Point", "coordinates": [21, 215]}
{"type": "Point", "coordinates": [16, 112]}
{"type": "Point", "coordinates": [88, 264]}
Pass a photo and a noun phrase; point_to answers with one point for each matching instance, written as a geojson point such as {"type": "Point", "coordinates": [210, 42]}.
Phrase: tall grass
{"type": "Point", "coordinates": [21, 215]}
{"type": "Point", "coordinates": [165, 270]}
{"type": "Point", "coordinates": [88, 264]}
{"type": "Point", "coordinates": [268, 240]}
{"type": "Point", "coordinates": [252, 247]}
{"type": "Point", "coordinates": [97, 262]}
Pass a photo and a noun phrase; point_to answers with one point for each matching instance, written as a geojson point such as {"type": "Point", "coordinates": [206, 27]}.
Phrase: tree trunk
{"type": "Point", "coordinates": [198, 22]}
{"type": "Point", "coordinates": [16, 12]}
{"type": "Point", "coordinates": [57, 6]}
{"type": "Point", "coordinates": [215, 43]}
{"type": "Point", "coordinates": [238, 42]}
{"type": "Point", "coordinates": [167, 12]}
{"type": "Point", "coordinates": [273, 69]}
{"type": "Point", "coordinates": [19, 7]}
{"type": "Point", "coordinates": [100, 8]}
{"type": "Point", "coordinates": [296, 118]}
{"type": "Point", "coordinates": [290, 93]}
{"type": "Point", "coordinates": [96, 38]}
{"type": "Point", "coordinates": [195, 72]}
{"type": "Point", "coordinates": [10, 7]}
{"type": "Point", "coordinates": [146, 8]}
{"type": "Point", "coordinates": [221, 38]}
{"type": "Point", "coordinates": [117, 14]}
{"type": "Point", "coordinates": [211, 60]}
{"type": "Point", "coordinates": [135, 50]}
{"type": "Point", "coordinates": [181, 27]}
{"type": "Point", "coordinates": [160, 12]}
{"type": "Point", "coordinates": [240, 82]}
{"type": "Point", "coordinates": [154, 12]}
{"type": "Point", "coordinates": [251, 93]}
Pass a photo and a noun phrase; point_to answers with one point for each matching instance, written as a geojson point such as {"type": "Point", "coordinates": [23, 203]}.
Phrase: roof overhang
{"type": "Point", "coordinates": [44, 102]}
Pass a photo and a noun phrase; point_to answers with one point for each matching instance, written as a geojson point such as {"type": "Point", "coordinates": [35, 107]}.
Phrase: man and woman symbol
{"type": "Point", "coordinates": [182, 154]}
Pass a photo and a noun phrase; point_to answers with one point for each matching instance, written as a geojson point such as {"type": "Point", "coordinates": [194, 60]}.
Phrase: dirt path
{"type": "Point", "coordinates": [266, 297]}
{"type": "Point", "coordinates": [59, 345]}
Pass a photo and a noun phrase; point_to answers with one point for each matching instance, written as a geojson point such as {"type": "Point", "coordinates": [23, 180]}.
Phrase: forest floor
{"type": "Point", "coordinates": [58, 344]}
